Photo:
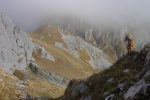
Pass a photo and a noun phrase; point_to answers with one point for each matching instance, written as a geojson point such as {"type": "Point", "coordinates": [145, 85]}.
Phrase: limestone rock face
{"type": "Point", "coordinates": [98, 60]}
{"type": "Point", "coordinates": [89, 36]}
{"type": "Point", "coordinates": [15, 46]}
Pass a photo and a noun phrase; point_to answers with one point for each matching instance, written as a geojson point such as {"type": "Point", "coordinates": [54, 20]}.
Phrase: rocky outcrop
{"type": "Point", "coordinates": [89, 36]}
{"type": "Point", "coordinates": [43, 53]}
{"type": "Point", "coordinates": [49, 76]}
{"type": "Point", "coordinates": [127, 79]}
{"type": "Point", "coordinates": [138, 91]}
{"type": "Point", "coordinates": [98, 60]}
{"type": "Point", "coordinates": [15, 46]}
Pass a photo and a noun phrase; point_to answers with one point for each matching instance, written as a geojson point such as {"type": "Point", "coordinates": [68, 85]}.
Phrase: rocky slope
{"type": "Point", "coordinates": [108, 38]}
{"type": "Point", "coordinates": [127, 79]}
{"type": "Point", "coordinates": [63, 52]}
{"type": "Point", "coordinates": [16, 54]}
{"type": "Point", "coordinates": [73, 45]}
{"type": "Point", "coordinates": [15, 46]}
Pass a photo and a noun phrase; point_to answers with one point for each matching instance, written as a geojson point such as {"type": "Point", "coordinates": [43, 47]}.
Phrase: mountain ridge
{"type": "Point", "coordinates": [127, 79]}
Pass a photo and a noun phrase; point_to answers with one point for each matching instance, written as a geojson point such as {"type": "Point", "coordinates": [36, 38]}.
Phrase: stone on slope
{"type": "Point", "coordinates": [43, 53]}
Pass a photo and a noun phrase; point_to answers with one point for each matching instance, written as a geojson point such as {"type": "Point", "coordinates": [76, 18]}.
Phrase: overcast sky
{"type": "Point", "coordinates": [29, 13]}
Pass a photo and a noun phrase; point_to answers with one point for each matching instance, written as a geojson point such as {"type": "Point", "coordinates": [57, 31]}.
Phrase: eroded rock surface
{"type": "Point", "coordinates": [15, 46]}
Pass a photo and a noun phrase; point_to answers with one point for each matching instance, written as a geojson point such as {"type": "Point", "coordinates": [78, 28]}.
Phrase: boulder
{"type": "Point", "coordinates": [137, 91]}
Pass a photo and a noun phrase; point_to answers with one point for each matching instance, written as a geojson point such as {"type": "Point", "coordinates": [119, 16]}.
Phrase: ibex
{"type": "Point", "coordinates": [130, 43]}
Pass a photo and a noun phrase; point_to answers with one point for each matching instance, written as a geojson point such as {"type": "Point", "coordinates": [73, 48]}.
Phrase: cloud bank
{"type": "Point", "coordinates": [28, 14]}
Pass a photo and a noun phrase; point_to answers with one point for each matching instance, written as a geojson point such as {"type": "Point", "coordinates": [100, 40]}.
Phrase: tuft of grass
{"type": "Point", "coordinates": [84, 56]}
{"type": "Point", "coordinates": [20, 75]}
{"type": "Point", "coordinates": [7, 87]}
{"type": "Point", "coordinates": [42, 88]}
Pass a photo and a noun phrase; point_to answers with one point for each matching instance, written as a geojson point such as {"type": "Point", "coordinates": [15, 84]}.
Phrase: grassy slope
{"type": "Point", "coordinates": [38, 87]}
{"type": "Point", "coordinates": [115, 72]}
{"type": "Point", "coordinates": [98, 83]}
{"type": "Point", "coordinates": [7, 87]}
{"type": "Point", "coordinates": [42, 88]}
{"type": "Point", "coordinates": [65, 64]}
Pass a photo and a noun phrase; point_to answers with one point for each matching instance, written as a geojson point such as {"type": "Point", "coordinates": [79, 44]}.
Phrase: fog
{"type": "Point", "coordinates": [29, 14]}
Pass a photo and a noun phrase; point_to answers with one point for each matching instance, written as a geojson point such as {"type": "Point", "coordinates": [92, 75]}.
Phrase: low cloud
{"type": "Point", "coordinates": [122, 14]}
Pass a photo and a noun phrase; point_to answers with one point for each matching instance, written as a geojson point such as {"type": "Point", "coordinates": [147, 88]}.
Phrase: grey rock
{"type": "Point", "coordinates": [49, 76]}
{"type": "Point", "coordinates": [133, 91]}
{"type": "Point", "coordinates": [110, 97]}
{"type": "Point", "coordinates": [98, 60]}
{"type": "Point", "coordinates": [87, 98]}
{"type": "Point", "coordinates": [126, 70]}
{"type": "Point", "coordinates": [110, 80]}
{"type": "Point", "coordinates": [33, 67]}
{"type": "Point", "coordinates": [43, 53]}
{"type": "Point", "coordinates": [79, 89]}
{"type": "Point", "coordinates": [15, 46]}
{"type": "Point", "coordinates": [147, 60]}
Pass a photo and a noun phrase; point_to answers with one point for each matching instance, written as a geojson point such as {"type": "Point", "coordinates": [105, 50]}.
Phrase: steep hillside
{"type": "Point", "coordinates": [17, 81]}
{"type": "Point", "coordinates": [127, 79]}
{"type": "Point", "coordinates": [108, 38]}
{"type": "Point", "coordinates": [7, 83]}
{"type": "Point", "coordinates": [65, 64]}
{"type": "Point", "coordinates": [74, 58]}
{"type": "Point", "coordinates": [73, 46]}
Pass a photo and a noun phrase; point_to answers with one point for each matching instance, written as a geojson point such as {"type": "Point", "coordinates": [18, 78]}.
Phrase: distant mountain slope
{"type": "Point", "coordinates": [65, 64]}
{"type": "Point", "coordinates": [108, 38]}
{"type": "Point", "coordinates": [74, 58]}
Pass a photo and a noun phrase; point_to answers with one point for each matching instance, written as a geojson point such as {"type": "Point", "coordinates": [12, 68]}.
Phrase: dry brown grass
{"type": "Point", "coordinates": [41, 88]}
{"type": "Point", "coordinates": [84, 56]}
{"type": "Point", "coordinates": [20, 75]}
{"type": "Point", "coordinates": [36, 87]}
{"type": "Point", "coordinates": [65, 65]}
{"type": "Point", "coordinates": [7, 87]}
{"type": "Point", "coordinates": [50, 35]}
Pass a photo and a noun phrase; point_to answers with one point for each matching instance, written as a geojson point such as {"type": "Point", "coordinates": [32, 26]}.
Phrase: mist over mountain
{"type": "Point", "coordinates": [116, 13]}
{"type": "Point", "coordinates": [115, 17]}
{"type": "Point", "coordinates": [68, 41]}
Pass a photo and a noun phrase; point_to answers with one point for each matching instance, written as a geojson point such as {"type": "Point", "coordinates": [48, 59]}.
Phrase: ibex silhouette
{"type": "Point", "coordinates": [130, 43]}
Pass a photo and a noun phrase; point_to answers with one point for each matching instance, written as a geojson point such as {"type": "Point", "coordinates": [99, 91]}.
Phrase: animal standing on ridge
{"type": "Point", "coordinates": [130, 43]}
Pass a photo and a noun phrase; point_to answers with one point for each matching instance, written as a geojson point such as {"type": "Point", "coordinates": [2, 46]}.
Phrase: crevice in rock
{"type": "Point", "coordinates": [3, 20]}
